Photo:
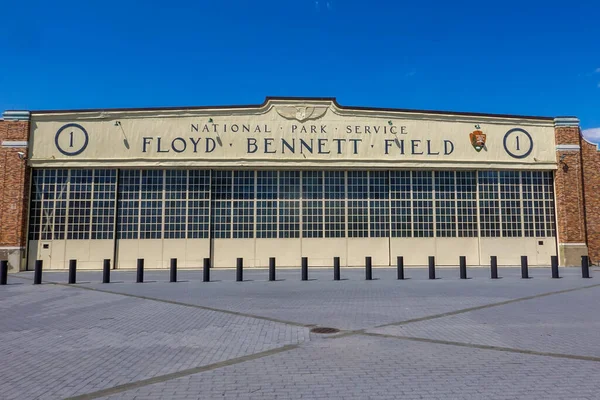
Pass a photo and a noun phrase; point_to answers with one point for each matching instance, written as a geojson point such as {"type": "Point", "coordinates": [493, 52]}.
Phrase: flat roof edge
{"type": "Point", "coordinates": [279, 98]}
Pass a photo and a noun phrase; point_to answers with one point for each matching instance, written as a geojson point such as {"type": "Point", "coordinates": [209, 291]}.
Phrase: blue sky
{"type": "Point", "coordinates": [512, 57]}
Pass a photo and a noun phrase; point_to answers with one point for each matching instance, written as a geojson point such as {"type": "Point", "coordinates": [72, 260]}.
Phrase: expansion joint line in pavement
{"type": "Point", "coordinates": [462, 311]}
{"type": "Point", "coordinates": [177, 303]}
{"type": "Point", "coordinates": [484, 347]}
{"type": "Point", "coordinates": [179, 374]}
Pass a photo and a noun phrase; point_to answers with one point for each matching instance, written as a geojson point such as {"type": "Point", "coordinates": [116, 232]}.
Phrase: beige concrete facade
{"type": "Point", "coordinates": [309, 135]}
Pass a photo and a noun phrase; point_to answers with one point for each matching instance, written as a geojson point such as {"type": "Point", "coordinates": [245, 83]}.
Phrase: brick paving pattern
{"type": "Point", "coordinates": [59, 341]}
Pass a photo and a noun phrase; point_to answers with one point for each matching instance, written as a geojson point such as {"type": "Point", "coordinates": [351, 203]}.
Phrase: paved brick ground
{"type": "Point", "coordinates": [360, 367]}
{"type": "Point", "coordinates": [58, 341]}
{"type": "Point", "coordinates": [564, 323]}
{"type": "Point", "coordinates": [349, 304]}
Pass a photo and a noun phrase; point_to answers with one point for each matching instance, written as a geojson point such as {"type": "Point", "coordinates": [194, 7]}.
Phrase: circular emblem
{"type": "Point", "coordinates": [71, 139]}
{"type": "Point", "coordinates": [518, 143]}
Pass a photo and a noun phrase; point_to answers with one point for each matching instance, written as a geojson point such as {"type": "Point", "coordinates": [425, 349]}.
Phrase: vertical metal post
{"type": "Point", "coordinates": [494, 266]}
{"type": "Point", "coordinates": [37, 274]}
{"type": "Point", "coordinates": [431, 267]}
{"type": "Point", "coordinates": [400, 267]}
{"type": "Point", "coordinates": [140, 270]}
{"type": "Point", "coordinates": [3, 272]}
{"type": "Point", "coordinates": [173, 270]}
{"type": "Point", "coordinates": [72, 271]}
{"type": "Point", "coordinates": [554, 262]}
{"type": "Point", "coordinates": [271, 269]}
{"type": "Point", "coordinates": [524, 268]}
{"type": "Point", "coordinates": [368, 269]}
{"type": "Point", "coordinates": [463, 267]}
{"type": "Point", "coordinates": [239, 270]}
{"type": "Point", "coordinates": [106, 271]}
{"type": "Point", "coordinates": [336, 268]}
{"type": "Point", "coordinates": [304, 268]}
{"type": "Point", "coordinates": [206, 270]}
{"type": "Point", "coordinates": [585, 267]}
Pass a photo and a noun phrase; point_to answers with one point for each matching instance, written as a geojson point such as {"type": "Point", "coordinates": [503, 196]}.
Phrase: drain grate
{"type": "Point", "coordinates": [324, 330]}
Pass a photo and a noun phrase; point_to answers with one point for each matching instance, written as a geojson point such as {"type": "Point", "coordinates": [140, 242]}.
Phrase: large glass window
{"type": "Point", "coordinates": [103, 204]}
{"type": "Point", "coordinates": [466, 203]}
{"type": "Point", "coordinates": [358, 204]}
{"type": "Point", "coordinates": [176, 182]}
{"type": "Point", "coordinates": [129, 204]}
{"type": "Point", "coordinates": [489, 205]}
{"type": "Point", "coordinates": [80, 197]}
{"type": "Point", "coordinates": [266, 204]}
{"type": "Point", "coordinates": [422, 186]}
{"type": "Point", "coordinates": [312, 204]}
{"type": "Point", "coordinates": [510, 203]}
{"type": "Point", "coordinates": [335, 203]}
{"type": "Point", "coordinates": [176, 204]}
{"type": "Point", "coordinates": [222, 192]}
{"type": "Point", "coordinates": [198, 208]}
{"type": "Point", "coordinates": [379, 205]}
{"type": "Point", "coordinates": [401, 204]}
{"type": "Point", "coordinates": [445, 204]}
{"type": "Point", "coordinates": [151, 204]}
{"type": "Point", "coordinates": [289, 204]}
{"type": "Point", "coordinates": [243, 204]}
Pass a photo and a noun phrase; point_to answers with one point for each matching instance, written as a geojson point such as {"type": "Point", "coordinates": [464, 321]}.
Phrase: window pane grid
{"type": "Point", "coordinates": [289, 209]}
{"type": "Point", "coordinates": [489, 205]}
{"type": "Point", "coordinates": [266, 206]}
{"type": "Point", "coordinates": [445, 204]}
{"type": "Point", "coordinates": [510, 203]}
{"type": "Point", "coordinates": [335, 205]}
{"type": "Point", "coordinates": [401, 205]}
{"type": "Point", "coordinates": [466, 203]}
{"type": "Point", "coordinates": [422, 185]}
{"type": "Point", "coordinates": [176, 204]}
{"type": "Point", "coordinates": [103, 206]}
{"type": "Point", "coordinates": [80, 195]}
{"type": "Point", "coordinates": [358, 204]}
{"type": "Point", "coordinates": [379, 192]}
{"type": "Point", "coordinates": [198, 207]}
{"type": "Point", "coordinates": [312, 209]}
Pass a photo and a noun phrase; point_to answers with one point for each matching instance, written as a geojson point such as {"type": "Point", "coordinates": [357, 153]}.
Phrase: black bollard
{"type": "Point", "coordinates": [239, 270]}
{"type": "Point", "coordinates": [173, 271]}
{"type": "Point", "coordinates": [336, 268]}
{"type": "Point", "coordinates": [431, 267]}
{"type": "Point", "coordinates": [524, 268]}
{"type": "Point", "coordinates": [554, 262]}
{"type": "Point", "coordinates": [400, 266]}
{"type": "Point", "coordinates": [494, 266]}
{"type": "Point", "coordinates": [140, 270]}
{"type": "Point", "coordinates": [585, 267]}
{"type": "Point", "coordinates": [3, 272]}
{"type": "Point", "coordinates": [304, 268]}
{"type": "Point", "coordinates": [368, 269]}
{"type": "Point", "coordinates": [206, 270]}
{"type": "Point", "coordinates": [271, 269]}
{"type": "Point", "coordinates": [72, 271]}
{"type": "Point", "coordinates": [106, 271]}
{"type": "Point", "coordinates": [463, 267]}
{"type": "Point", "coordinates": [37, 274]}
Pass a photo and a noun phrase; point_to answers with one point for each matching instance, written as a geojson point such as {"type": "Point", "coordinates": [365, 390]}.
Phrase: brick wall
{"type": "Point", "coordinates": [570, 205]}
{"type": "Point", "coordinates": [14, 184]}
{"type": "Point", "coordinates": [591, 173]}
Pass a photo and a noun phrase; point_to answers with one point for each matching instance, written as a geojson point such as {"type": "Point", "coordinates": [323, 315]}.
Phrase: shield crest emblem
{"type": "Point", "coordinates": [477, 140]}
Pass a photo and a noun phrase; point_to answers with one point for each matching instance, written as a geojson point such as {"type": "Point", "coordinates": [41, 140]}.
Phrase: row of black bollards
{"type": "Point", "coordinates": [37, 276]}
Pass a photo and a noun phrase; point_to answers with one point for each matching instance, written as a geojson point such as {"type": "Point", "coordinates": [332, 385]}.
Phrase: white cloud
{"type": "Point", "coordinates": [593, 135]}
{"type": "Point", "coordinates": [597, 70]}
